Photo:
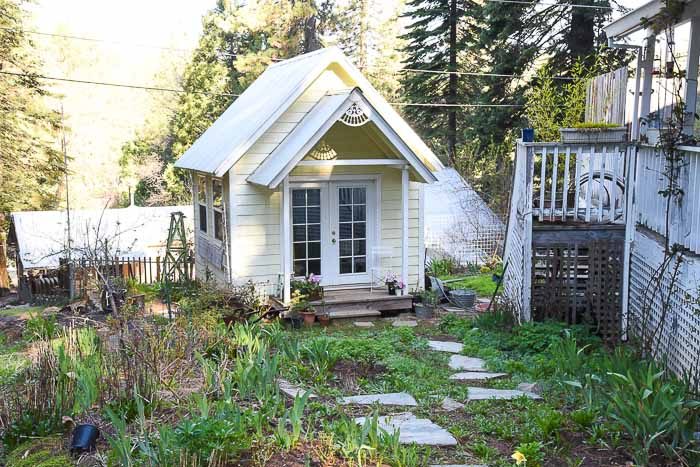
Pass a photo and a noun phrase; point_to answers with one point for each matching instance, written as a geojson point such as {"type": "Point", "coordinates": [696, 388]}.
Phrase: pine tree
{"type": "Point", "coordinates": [439, 33]}
{"type": "Point", "coordinates": [30, 166]}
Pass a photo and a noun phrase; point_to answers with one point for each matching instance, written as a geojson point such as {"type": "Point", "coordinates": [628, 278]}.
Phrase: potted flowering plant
{"type": "Point", "coordinates": [300, 308]}
{"type": "Point", "coordinates": [309, 286]}
{"type": "Point", "coordinates": [393, 283]}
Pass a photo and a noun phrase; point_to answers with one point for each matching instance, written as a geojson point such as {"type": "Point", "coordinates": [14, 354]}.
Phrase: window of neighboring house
{"type": "Point", "coordinates": [218, 208]}
{"type": "Point", "coordinates": [202, 202]}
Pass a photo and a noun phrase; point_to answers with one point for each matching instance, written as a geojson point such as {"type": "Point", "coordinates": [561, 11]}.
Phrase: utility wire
{"type": "Point", "coordinates": [116, 85]}
{"type": "Point", "coordinates": [182, 91]}
{"type": "Point", "coordinates": [572, 5]}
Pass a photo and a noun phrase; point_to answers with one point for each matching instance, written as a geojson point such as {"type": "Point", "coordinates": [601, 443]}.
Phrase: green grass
{"type": "Point", "coordinates": [482, 284]}
{"type": "Point", "coordinates": [15, 312]}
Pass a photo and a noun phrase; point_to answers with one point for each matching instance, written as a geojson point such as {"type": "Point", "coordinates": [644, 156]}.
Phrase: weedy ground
{"type": "Point", "coordinates": [194, 392]}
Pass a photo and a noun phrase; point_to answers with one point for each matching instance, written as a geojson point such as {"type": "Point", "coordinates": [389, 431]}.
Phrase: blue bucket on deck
{"type": "Point", "coordinates": [528, 135]}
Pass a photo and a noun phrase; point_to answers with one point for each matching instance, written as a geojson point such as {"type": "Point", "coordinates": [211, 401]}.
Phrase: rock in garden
{"type": "Point", "coordinates": [442, 346]}
{"type": "Point", "coordinates": [451, 405]}
{"type": "Point", "coordinates": [481, 394]}
{"type": "Point", "coordinates": [477, 376]}
{"type": "Point", "coordinates": [292, 390]}
{"type": "Point", "coordinates": [414, 430]}
{"type": "Point", "coordinates": [460, 362]}
{"type": "Point", "coordinates": [50, 310]}
{"type": "Point", "coordinates": [404, 324]}
{"type": "Point", "coordinates": [530, 387]}
{"type": "Point", "coordinates": [363, 324]}
{"type": "Point", "coordinates": [393, 398]}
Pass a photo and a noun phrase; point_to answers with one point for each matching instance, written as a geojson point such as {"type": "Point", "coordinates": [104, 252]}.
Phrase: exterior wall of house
{"type": "Point", "coordinates": [679, 311]}
{"type": "Point", "coordinates": [255, 211]}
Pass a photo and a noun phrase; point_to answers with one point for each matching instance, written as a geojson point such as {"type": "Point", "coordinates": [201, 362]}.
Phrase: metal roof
{"type": "Point", "coordinates": [41, 236]}
{"type": "Point", "coordinates": [264, 101]}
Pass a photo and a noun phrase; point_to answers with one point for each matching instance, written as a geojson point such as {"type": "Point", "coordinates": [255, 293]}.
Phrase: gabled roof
{"type": "Point", "coordinates": [638, 18]}
{"type": "Point", "coordinates": [254, 112]}
{"type": "Point", "coordinates": [315, 125]}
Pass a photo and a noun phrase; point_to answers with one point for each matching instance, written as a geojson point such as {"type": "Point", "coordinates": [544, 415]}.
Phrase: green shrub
{"type": "Point", "coordinates": [532, 452]}
{"type": "Point", "coordinates": [584, 417]}
{"type": "Point", "coordinates": [39, 327]}
{"type": "Point", "coordinates": [439, 267]}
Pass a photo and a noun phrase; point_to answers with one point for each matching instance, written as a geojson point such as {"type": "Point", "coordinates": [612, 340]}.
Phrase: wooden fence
{"type": "Point", "coordinates": [143, 270]}
{"type": "Point", "coordinates": [606, 97]}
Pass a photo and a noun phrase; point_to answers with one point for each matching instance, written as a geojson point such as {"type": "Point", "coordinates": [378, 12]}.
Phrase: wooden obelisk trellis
{"type": "Point", "coordinates": [175, 266]}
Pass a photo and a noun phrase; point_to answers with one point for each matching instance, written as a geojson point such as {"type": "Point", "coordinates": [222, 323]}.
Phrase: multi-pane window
{"type": "Point", "coordinates": [306, 231]}
{"type": "Point", "coordinates": [352, 226]}
{"type": "Point", "coordinates": [202, 202]}
{"type": "Point", "coordinates": [218, 208]}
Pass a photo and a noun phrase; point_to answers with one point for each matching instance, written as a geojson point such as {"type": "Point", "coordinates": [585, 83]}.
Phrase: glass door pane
{"type": "Point", "coordinates": [306, 231]}
{"type": "Point", "coordinates": [352, 230]}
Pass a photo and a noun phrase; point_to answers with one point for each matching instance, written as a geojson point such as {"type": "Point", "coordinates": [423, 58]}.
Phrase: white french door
{"type": "Point", "coordinates": [333, 230]}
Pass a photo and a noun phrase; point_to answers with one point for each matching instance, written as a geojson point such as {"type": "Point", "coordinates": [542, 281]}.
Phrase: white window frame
{"type": "Point", "coordinates": [202, 203]}
{"type": "Point", "coordinates": [215, 210]}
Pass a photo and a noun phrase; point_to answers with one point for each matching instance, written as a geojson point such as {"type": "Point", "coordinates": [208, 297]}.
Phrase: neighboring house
{"type": "Point", "coordinates": [588, 223]}
{"type": "Point", "coordinates": [310, 171]}
{"type": "Point", "coordinates": [38, 240]}
{"type": "Point", "coordinates": [458, 223]}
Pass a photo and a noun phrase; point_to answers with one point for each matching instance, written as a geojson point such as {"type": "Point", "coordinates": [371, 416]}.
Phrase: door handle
{"type": "Point", "coordinates": [333, 241]}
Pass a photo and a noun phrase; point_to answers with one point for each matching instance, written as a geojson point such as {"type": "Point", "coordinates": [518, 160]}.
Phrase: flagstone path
{"type": "Point", "coordinates": [460, 362]}
{"type": "Point", "coordinates": [446, 346]}
{"type": "Point", "coordinates": [480, 394]}
{"type": "Point", "coordinates": [476, 376]}
{"type": "Point", "coordinates": [292, 390]}
{"type": "Point", "coordinates": [393, 398]}
{"type": "Point", "coordinates": [414, 430]}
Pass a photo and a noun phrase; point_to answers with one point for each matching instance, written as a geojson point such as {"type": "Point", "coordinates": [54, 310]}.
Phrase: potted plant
{"type": "Point", "coordinates": [593, 133]}
{"type": "Point", "coordinates": [324, 318]}
{"type": "Point", "coordinates": [391, 281]}
{"type": "Point", "coordinates": [425, 304]}
{"type": "Point", "coordinates": [298, 302]}
{"type": "Point", "coordinates": [309, 286]}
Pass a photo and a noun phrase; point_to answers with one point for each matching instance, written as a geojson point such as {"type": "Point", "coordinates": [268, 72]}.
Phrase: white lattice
{"type": "Point", "coordinates": [354, 116]}
{"type": "Point", "coordinates": [677, 327]}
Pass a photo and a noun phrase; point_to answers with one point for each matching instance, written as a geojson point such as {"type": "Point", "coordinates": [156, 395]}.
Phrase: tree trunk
{"type": "Point", "coordinates": [311, 41]}
{"type": "Point", "coordinates": [581, 40]}
{"type": "Point", "coordinates": [452, 87]}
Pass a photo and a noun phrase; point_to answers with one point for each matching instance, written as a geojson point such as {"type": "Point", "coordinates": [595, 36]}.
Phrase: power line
{"type": "Point", "coordinates": [182, 91]}
{"type": "Point", "coordinates": [572, 5]}
{"type": "Point", "coordinates": [468, 73]}
{"type": "Point", "coordinates": [115, 85]}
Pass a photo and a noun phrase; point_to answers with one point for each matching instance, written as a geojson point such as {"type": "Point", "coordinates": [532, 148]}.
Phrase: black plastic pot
{"type": "Point", "coordinates": [528, 135]}
{"type": "Point", "coordinates": [391, 287]}
{"type": "Point", "coordinates": [296, 321]}
{"type": "Point", "coordinates": [84, 437]}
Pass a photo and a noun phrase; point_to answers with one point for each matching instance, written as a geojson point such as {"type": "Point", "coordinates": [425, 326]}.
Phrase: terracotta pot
{"type": "Point", "coordinates": [309, 317]}
{"type": "Point", "coordinates": [324, 319]}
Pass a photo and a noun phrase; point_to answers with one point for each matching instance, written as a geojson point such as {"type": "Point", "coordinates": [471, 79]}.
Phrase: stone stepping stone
{"type": "Point", "coordinates": [392, 398]}
{"type": "Point", "coordinates": [460, 362]}
{"type": "Point", "coordinates": [292, 390]}
{"type": "Point", "coordinates": [443, 346]}
{"type": "Point", "coordinates": [414, 430]}
{"type": "Point", "coordinates": [363, 324]}
{"type": "Point", "coordinates": [481, 394]}
{"type": "Point", "coordinates": [476, 376]}
{"type": "Point", "coordinates": [404, 324]}
{"type": "Point", "coordinates": [450, 405]}
{"type": "Point", "coordinates": [458, 465]}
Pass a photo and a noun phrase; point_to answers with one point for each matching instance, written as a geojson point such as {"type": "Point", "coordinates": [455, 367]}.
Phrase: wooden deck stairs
{"type": "Point", "coordinates": [361, 303]}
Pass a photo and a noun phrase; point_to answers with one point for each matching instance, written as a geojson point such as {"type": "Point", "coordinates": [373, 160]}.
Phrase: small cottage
{"type": "Point", "coordinates": [310, 171]}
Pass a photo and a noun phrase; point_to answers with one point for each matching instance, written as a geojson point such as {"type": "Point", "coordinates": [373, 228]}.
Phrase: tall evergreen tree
{"type": "Point", "coordinates": [439, 34]}
{"type": "Point", "coordinates": [30, 166]}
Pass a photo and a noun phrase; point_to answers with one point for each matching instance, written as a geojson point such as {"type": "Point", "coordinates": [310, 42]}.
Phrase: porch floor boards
{"type": "Point", "coordinates": [361, 303]}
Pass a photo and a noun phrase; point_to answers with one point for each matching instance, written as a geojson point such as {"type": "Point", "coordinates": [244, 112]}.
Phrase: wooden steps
{"type": "Point", "coordinates": [360, 303]}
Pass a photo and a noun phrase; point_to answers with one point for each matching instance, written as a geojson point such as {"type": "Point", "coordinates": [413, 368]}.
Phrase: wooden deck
{"type": "Point", "coordinates": [361, 303]}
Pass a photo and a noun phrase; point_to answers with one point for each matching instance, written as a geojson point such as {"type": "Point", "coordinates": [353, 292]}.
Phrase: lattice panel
{"type": "Point", "coordinates": [579, 282]}
{"type": "Point", "coordinates": [679, 336]}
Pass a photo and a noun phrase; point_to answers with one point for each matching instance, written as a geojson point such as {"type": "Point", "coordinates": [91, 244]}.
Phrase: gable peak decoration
{"type": "Point", "coordinates": [354, 116]}
{"type": "Point", "coordinates": [323, 152]}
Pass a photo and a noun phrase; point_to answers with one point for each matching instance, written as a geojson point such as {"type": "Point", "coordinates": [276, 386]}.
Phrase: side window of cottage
{"type": "Point", "coordinates": [218, 205]}
{"type": "Point", "coordinates": [202, 202]}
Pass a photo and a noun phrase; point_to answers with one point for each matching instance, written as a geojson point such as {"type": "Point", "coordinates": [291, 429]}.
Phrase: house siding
{"type": "Point", "coordinates": [255, 242]}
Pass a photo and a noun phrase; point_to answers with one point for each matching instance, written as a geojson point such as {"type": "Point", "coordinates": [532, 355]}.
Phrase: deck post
{"type": "Point", "coordinates": [691, 88]}
{"type": "Point", "coordinates": [286, 243]}
{"type": "Point", "coordinates": [526, 310]}
{"type": "Point", "coordinates": [648, 66]}
{"type": "Point", "coordinates": [404, 225]}
{"type": "Point", "coordinates": [630, 226]}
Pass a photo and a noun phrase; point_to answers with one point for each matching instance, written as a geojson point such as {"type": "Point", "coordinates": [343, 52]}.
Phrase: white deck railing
{"type": "Point", "coordinates": [577, 183]}
{"type": "Point", "coordinates": [651, 206]}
